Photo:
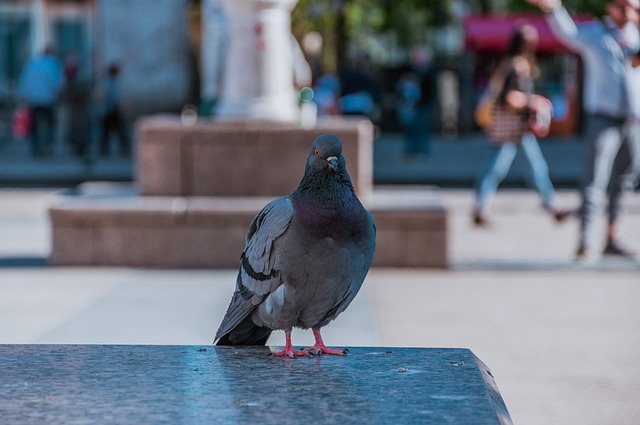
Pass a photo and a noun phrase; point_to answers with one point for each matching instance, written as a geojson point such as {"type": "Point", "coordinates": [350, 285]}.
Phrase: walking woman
{"type": "Point", "coordinates": [517, 116]}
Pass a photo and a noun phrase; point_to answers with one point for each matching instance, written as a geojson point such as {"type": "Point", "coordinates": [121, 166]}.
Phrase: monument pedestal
{"type": "Point", "coordinates": [110, 225]}
{"type": "Point", "coordinates": [199, 187]}
{"type": "Point", "coordinates": [247, 157]}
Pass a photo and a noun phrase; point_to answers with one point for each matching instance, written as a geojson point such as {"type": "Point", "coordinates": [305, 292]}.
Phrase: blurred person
{"type": "Point", "coordinates": [39, 88]}
{"type": "Point", "coordinates": [516, 115]}
{"type": "Point", "coordinates": [360, 90]}
{"type": "Point", "coordinates": [415, 93]}
{"type": "Point", "coordinates": [327, 95]}
{"type": "Point", "coordinates": [75, 100]}
{"type": "Point", "coordinates": [112, 118]}
{"type": "Point", "coordinates": [612, 108]}
{"type": "Point", "coordinates": [633, 172]}
{"type": "Point", "coordinates": [407, 94]}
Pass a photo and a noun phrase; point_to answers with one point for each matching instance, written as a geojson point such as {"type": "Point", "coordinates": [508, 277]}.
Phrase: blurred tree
{"type": "Point", "coordinates": [356, 23]}
{"type": "Point", "coordinates": [359, 24]}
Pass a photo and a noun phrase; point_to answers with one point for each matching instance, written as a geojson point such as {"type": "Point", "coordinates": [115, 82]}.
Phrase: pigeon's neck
{"type": "Point", "coordinates": [327, 206]}
{"type": "Point", "coordinates": [325, 184]}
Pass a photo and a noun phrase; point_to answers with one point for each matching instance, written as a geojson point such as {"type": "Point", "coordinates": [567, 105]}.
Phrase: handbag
{"type": "Point", "coordinates": [21, 124]}
{"type": "Point", "coordinates": [483, 113]}
{"type": "Point", "coordinates": [507, 125]}
{"type": "Point", "coordinates": [540, 116]}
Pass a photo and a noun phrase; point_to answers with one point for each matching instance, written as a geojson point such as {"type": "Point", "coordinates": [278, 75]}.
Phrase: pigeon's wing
{"type": "Point", "coordinates": [257, 276]}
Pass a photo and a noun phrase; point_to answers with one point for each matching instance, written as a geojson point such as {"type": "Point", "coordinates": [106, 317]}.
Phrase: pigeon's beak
{"type": "Point", "coordinates": [333, 162]}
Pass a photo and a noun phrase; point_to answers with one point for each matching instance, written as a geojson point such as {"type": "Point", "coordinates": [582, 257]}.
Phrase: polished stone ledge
{"type": "Point", "coordinates": [133, 384]}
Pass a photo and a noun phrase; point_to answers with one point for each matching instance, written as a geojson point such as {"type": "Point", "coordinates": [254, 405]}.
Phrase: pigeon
{"type": "Point", "coordinates": [305, 258]}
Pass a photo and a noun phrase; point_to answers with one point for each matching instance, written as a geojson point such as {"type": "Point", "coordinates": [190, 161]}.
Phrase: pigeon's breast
{"type": "Point", "coordinates": [344, 223]}
{"type": "Point", "coordinates": [320, 279]}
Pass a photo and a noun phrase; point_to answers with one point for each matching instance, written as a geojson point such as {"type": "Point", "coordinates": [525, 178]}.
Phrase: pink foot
{"type": "Point", "coordinates": [290, 352]}
{"type": "Point", "coordinates": [320, 348]}
{"type": "Point", "coordinates": [323, 349]}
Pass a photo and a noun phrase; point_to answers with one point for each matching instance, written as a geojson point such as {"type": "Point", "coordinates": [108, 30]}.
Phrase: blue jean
{"type": "Point", "coordinates": [416, 131]}
{"type": "Point", "coordinates": [42, 130]}
{"type": "Point", "coordinates": [612, 163]}
{"type": "Point", "coordinates": [499, 166]}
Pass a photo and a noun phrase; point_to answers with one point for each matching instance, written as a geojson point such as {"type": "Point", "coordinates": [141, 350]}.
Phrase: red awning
{"type": "Point", "coordinates": [492, 32]}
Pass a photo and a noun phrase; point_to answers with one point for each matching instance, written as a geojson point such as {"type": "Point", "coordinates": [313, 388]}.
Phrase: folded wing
{"type": "Point", "coordinates": [257, 276]}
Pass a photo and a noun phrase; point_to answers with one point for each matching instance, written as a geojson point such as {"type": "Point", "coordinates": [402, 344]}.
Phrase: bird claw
{"type": "Point", "coordinates": [290, 352]}
{"type": "Point", "coordinates": [339, 351]}
{"type": "Point", "coordinates": [318, 350]}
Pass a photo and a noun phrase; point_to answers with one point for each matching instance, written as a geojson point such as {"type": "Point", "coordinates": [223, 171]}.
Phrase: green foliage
{"type": "Point", "coordinates": [357, 23]}
{"type": "Point", "coordinates": [409, 20]}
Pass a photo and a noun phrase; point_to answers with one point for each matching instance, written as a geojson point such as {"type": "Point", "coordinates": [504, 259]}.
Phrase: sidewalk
{"type": "Point", "coordinates": [18, 169]}
{"type": "Point", "coordinates": [457, 162]}
{"type": "Point", "coordinates": [559, 337]}
{"type": "Point", "coordinates": [452, 163]}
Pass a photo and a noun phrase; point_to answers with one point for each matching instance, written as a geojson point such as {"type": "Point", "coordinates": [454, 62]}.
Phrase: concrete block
{"type": "Point", "coordinates": [72, 244]}
{"type": "Point", "coordinates": [241, 158]}
{"type": "Point", "coordinates": [161, 162]}
{"type": "Point", "coordinates": [201, 232]}
{"type": "Point", "coordinates": [412, 228]}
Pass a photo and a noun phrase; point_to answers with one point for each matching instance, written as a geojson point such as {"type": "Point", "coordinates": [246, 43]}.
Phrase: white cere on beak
{"type": "Point", "coordinates": [333, 162]}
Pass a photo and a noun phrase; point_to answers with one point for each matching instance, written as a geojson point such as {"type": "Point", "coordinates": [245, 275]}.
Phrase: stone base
{"type": "Point", "coordinates": [134, 384]}
{"type": "Point", "coordinates": [241, 157]}
{"type": "Point", "coordinates": [109, 225]}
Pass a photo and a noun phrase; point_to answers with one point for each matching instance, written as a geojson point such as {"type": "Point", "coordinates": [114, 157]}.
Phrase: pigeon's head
{"type": "Point", "coordinates": [326, 154]}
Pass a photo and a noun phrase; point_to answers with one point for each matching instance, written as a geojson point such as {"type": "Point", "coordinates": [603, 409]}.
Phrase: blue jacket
{"type": "Point", "coordinates": [41, 81]}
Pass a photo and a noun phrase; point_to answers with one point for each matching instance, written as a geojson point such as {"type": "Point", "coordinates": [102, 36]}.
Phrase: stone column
{"type": "Point", "coordinates": [215, 37]}
{"type": "Point", "coordinates": [258, 77]}
{"type": "Point", "coordinates": [149, 40]}
{"type": "Point", "coordinates": [40, 35]}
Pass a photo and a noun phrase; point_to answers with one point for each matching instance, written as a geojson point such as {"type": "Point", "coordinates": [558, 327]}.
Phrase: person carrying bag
{"type": "Point", "coordinates": [507, 121]}
{"type": "Point", "coordinates": [517, 117]}
{"type": "Point", "coordinates": [483, 114]}
{"type": "Point", "coordinates": [523, 111]}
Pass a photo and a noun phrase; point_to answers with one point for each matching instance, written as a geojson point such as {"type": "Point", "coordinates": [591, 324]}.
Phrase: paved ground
{"type": "Point", "coordinates": [454, 162]}
{"type": "Point", "coordinates": [560, 337]}
{"type": "Point", "coordinates": [17, 168]}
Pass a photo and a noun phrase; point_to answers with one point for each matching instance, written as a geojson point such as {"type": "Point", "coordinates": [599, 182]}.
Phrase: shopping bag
{"type": "Point", "coordinates": [483, 113]}
{"type": "Point", "coordinates": [507, 125]}
{"type": "Point", "coordinates": [484, 109]}
{"type": "Point", "coordinates": [541, 115]}
{"type": "Point", "coordinates": [21, 127]}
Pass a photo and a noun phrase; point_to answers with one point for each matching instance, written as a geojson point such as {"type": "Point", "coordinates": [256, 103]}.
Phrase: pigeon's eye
{"type": "Point", "coordinates": [316, 152]}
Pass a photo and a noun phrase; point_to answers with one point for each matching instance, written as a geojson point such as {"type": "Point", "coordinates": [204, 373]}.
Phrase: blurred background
{"type": "Point", "coordinates": [357, 50]}
{"type": "Point", "coordinates": [560, 337]}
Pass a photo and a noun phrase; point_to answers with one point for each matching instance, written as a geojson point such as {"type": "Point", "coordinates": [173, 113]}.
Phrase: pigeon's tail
{"type": "Point", "coordinates": [246, 333]}
{"type": "Point", "coordinates": [237, 327]}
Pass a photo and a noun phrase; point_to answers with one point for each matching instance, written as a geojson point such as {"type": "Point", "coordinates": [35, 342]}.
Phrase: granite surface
{"type": "Point", "coordinates": [197, 384]}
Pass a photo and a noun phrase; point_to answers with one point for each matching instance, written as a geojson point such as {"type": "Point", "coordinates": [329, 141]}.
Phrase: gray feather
{"type": "Point", "coordinates": [257, 276]}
